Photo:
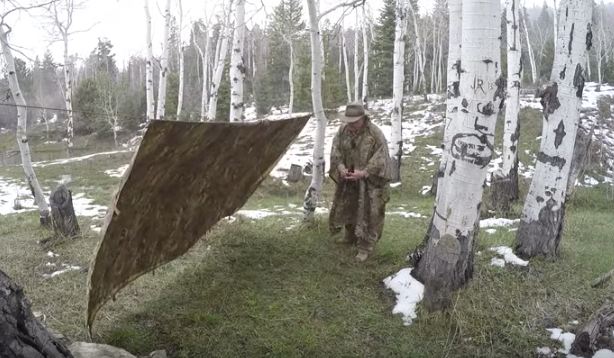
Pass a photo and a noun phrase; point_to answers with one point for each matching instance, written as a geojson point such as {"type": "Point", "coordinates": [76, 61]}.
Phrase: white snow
{"type": "Point", "coordinates": [491, 231]}
{"type": "Point", "coordinates": [117, 173]}
{"type": "Point", "coordinates": [12, 193]}
{"type": "Point", "coordinates": [406, 214]}
{"type": "Point", "coordinates": [395, 185]}
{"type": "Point", "coordinates": [409, 293]}
{"type": "Point", "coordinates": [52, 254]}
{"type": "Point", "coordinates": [495, 261]}
{"type": "Point", "coordinates": [604, 353]}
{"type": "Point", "coordinates": [415, 124]}
{"type": "Point", "coordinates": [95, 228]}
{"type": "Point", "coordinates": [498, 222]}
{"type": "Point", "coordinates": [509, 256]}
{"type": "Point", "coordinates": [255, 214]}
{"type": "Point", "coordinates": [66, 268]}
{"type": "Point", "coordinates": [47, 163]}
{"type": "Point", "coordinates": [566, 338]}
{"type": "Point", "coordinates": [425, 190]}
{"type": "Point", "coordinates": [84, 207]}
{"type": "Point", "coordinates": [544, 351]}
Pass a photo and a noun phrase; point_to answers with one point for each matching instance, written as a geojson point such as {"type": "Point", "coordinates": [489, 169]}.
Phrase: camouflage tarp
{"type": "Point", "coordinates": [183, 179]}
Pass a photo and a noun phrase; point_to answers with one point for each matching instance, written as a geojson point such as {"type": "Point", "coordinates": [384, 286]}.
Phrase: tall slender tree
{"type": "Point", "coordinates": [398, 78]}
{"type": "Point", "coordinates": [541, 224]}
{"type": "Point", "coordinates": [149, 82]}
{"type": "Point", "coordinates": [22, 120]}
{"type": "Point", "coordinates": [448, 260]}
{"type": "Point", "coordinates": [164, 62]}
{"type": "Point", "coordinates": [505, 183]}
{"type": "Point", "coordinates": [237, 66]}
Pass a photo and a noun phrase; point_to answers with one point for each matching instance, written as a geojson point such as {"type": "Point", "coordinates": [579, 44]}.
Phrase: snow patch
{"type": "Point", "coordinates": [84, 207]}
{"type": "Point", "coordinates": [395, 185]}
{"type": "Point", "coordinates": [425, 190]}
{"type": "Point", "coordinates": [67, 268]}
{"type": "Point", "coordinates": [491, 231]}
{"type": "Point", "coordinates": [117, 173]}
{"type": "Point", "coordinates": [406, 214]}
{"type": "Point", "coordinates": [566, 338]}
{"type": "Point", "coordinates": [409, 293]}
{"type": "Point", "coordinates": [509, 256]}
{"type": "Point", "coordinates": [47, 163]}
{"type": "Point", "coordinates": [497, 262]}
{"type": "Point", "coordinates": [498, 222]}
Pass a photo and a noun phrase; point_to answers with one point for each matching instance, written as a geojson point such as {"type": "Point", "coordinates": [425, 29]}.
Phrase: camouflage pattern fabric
{"type": "Point", "coordinates": [360, 206]}
{"type": "Point", "coordinates": [184, 178]}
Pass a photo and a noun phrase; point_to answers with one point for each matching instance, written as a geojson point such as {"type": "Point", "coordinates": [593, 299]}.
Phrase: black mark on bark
{"type": "Point", "coordinates": [570, 36]}
{"type": "Point", "coordinates": [486, 110]}
{"type": "Point", "coordinates": [578, 80]}
{"type": "Point", "coordinates": [500, 92]}
{"type": "Point", "coordinates": [562, 73]}
{"type": "Point", "coordinates": [589, 37]}
{"type": "Point", "coordinates": [560, 134]}
{"type": "Point", "coordinates": [472, 148]}
{"type": "Point", "coordinates": [554, 161]}
{"type": "Point", "coordinates": [549, 99]}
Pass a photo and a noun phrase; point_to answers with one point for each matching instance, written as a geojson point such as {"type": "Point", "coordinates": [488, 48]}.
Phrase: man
{"type": "Point", "coordinates": [360, 166]}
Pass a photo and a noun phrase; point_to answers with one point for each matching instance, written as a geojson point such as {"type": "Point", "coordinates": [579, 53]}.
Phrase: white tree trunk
{"type": "Point", "coordinates": [448, 261]}
{"type": "Point", "coordinates": [542, 218]}
{"type": "Point", "coordinates": [506, 182]}
{"type": "Point", "coordinates": [149, 85]}
{"type": "Point", "coordinates": [204, 58]}
{"type": "Point", "coordinates": [419, 50]}
{"type": "Point", "coordinates": [453, 102]}
{"type": "Point", "coordinates": [433, 62]}
{"type": "Point", "coordinates": [356, 61]}
{"type": "Point", "coordinates": [398, 78]}
{"type": "Point", "coordinates": [164, 62]}
{"type": "Point", "coordinates": [365, 60]}
{"type": "Point", "coordinates": [555, 21]}
{"type": "Point", "coordinates": [291, 77]}
{"type": "Point", "coordinates": [237, 66]}
{"type": "Point", "coordinates": [22, 120]}
{"type": "Point", "coordinates": [312, 194]}
{"type": "Point", "coordinates": [529, 50]}
{"type": "Point", "coordinates": [348, 84]}
{"type": "Point", "coordinates": [221, 53]}
{"type": "Point", "coordinates": [181, 62]}
{"type": "Point", "coordinates": [68, 92]}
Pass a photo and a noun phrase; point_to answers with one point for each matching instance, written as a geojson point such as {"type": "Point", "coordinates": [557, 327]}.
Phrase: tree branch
{"type": "Point", "coordinates": [353, 3]}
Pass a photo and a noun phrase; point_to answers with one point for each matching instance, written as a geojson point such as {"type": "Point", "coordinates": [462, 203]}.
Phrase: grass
{"type": "Point", "coordinates": [257, 288]}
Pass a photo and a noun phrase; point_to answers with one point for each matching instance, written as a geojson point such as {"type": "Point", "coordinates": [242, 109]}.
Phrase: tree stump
{"type": "Point", "coordinates": [596, 334]}
{"type": "Point", "coordinates": [63, 216]}
{"type": "Point", "coordinates": [22, 335]}
{"type": "Point", "coordinates": [295, 174]}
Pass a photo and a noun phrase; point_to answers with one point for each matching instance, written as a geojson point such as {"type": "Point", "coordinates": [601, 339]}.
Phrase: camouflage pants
{"type": "Point", "coordinates": [362, 214]}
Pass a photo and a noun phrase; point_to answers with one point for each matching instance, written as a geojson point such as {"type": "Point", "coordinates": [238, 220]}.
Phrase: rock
{"type": "Point", "coordinates": [93, 350]}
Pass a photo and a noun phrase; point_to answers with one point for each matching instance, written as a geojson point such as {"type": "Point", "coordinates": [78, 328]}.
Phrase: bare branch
{"type": "Point", "coordinates": [25, 8]}
{"type": "Point", "coordinates": [353, 3]}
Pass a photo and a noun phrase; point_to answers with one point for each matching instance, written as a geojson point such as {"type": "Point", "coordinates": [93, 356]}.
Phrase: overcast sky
{"type": "Point", "coordinates": [123, 23]}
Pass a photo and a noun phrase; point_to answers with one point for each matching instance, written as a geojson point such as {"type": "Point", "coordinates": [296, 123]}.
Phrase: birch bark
{"type": "Point", "coordinates": [312, 194]}
{"type": "Point", "coordinates": [22, 120]}
{"type": "Point", "coordinates": [542, 218]}
{"type": "Point", "coordinates": [365, 59]}
{"type": "Point", "coordinates": [221, 53]}
{"type": "Point", "coordinates": [181, 62]}
{"type": "Point", "coordinates": [149, 85]}
{"type": "Point", "coordinates": [237, 69]}
{"type": "Point", "coordinates": [529, 50]}
{"type": "Point", "coordinates": [505, 183]}
{"type": "Point", "coordinates": [448, 260]}
{"type": "Point", "coordinates": [348, 84]}
{"type": "Point", "coordinates": [398, 78]}
{"type": "Point", "coordinates": [164, 63]}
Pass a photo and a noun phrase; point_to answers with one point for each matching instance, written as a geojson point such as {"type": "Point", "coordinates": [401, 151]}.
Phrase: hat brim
{"type": "Point", "coordinates": [346, 119]}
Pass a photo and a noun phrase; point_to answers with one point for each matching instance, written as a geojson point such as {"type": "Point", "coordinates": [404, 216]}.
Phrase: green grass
{"type": "Point", "coordinates": [257, 288]}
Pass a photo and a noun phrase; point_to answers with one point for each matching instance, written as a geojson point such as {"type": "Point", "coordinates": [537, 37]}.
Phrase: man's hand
{"type": "Point", "coordinates": [357, 175]}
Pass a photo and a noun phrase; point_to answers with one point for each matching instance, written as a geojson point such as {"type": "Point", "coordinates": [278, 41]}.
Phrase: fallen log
{"type": "Point", "coordinates": [21, 334]}
{"type": "Point", "coordinates": [603, 279]}
{"type": "Point", "coordinates": [597, 333]}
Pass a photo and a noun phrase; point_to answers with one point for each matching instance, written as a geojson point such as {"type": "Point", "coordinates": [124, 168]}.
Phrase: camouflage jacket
{"type": "Point", "coordinates": [365, 150]}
